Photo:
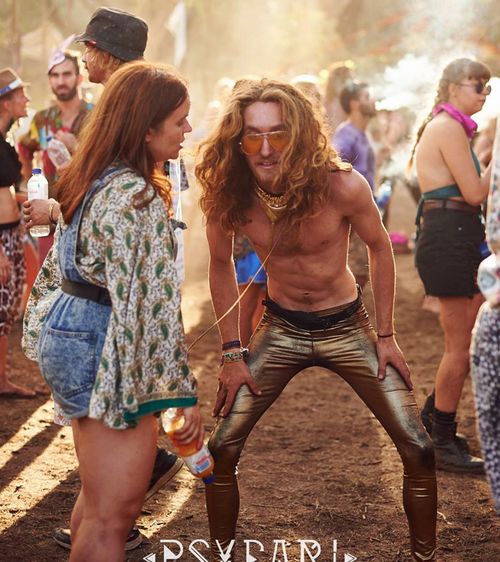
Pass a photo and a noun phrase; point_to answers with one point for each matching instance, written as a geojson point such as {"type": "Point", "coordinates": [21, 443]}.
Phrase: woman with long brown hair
{"type": "Point", "coordinates": [111, 346]}
{"type": "Point", "coordinates": [449, 239]}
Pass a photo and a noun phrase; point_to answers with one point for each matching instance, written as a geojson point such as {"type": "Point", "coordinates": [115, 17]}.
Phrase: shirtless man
{"type": "Point", "coordinates": [269, 173]}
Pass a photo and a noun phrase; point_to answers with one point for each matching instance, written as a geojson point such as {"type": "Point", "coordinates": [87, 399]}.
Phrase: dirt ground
{"type": "Point", "coordinates": [317, 467]}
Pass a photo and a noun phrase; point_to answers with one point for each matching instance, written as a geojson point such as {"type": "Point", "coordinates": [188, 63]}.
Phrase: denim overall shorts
{"type": "Point", "coordinates": [74, 330]}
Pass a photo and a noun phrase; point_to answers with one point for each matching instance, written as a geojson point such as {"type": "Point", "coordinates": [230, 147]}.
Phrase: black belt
{"type": "Point", "coordinates": [9, 225]}
{"type": "Point", "coordinates": [94, 293]}
{"type": "Point", "coordinates": [451, 204]}
{"type": "Point", "coordinates": [311, 320]}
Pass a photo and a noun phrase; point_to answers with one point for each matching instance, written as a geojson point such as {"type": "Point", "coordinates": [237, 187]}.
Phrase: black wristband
{"type": "Point", "coordinates": [230, 344]}
{"type": "Point", "coordinates": [386, 335]}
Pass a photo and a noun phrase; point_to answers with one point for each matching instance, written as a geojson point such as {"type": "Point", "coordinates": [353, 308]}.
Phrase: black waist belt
{"type": "Point", "coordinates": [94, 293]}
{"type": "Point", "coordinates": [9, 225]}
{"type": "Point", "coordinates": [311, 320]}
{"type": "Point", "coordinates": [451, 204]}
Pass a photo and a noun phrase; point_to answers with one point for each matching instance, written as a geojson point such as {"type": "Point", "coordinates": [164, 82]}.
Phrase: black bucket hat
{"type": "Point", "coordinates": [119, 33]}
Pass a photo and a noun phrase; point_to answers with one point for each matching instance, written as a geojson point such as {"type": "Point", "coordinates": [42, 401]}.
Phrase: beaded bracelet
{"type": "Point", "coordinates": [230, 344]}
{"type": "Point", "coordinates": [51, 211]}
{"type": "Point", "coordinates": [386, 335]}
{"type": "Point", "coordinates": [234, 356]}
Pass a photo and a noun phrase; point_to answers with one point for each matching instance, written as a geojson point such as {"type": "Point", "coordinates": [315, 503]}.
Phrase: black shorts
{"type": "Point", "coordinates": [448, 252]}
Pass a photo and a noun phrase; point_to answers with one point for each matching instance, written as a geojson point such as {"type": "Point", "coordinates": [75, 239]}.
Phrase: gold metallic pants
{"type": "Point", "coordinates": [278, 351]}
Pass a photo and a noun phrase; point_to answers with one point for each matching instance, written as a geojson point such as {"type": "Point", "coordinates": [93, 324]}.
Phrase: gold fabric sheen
{"type": "Point", "coordinates": [278, 351]}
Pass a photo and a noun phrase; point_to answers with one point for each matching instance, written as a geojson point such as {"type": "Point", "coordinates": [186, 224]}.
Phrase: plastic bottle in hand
{"type": "Point", "coordinates": [199, 461]}
{"type": "Point", "coordinates": [488, 279]}
{"type": "Point", "coordinates": [38, 188]}
{"type": "Point", "coordinates": [58, 153]}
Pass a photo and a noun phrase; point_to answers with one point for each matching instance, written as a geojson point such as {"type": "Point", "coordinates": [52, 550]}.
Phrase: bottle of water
{"type": "Point", "coordinates": [488, 279]}
{"type": "Point", "coordinates": [58, 153]}
{"type": "Point", "coordinates": [199, 461]}
{"type": "Point", "coordinates": [383, 196]}
{"type": "Point", "coordinates": [38, 188]}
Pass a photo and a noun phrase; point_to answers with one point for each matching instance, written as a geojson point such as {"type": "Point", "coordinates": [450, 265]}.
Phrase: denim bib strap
{"type": "Point", "coordinates": [69, 238]}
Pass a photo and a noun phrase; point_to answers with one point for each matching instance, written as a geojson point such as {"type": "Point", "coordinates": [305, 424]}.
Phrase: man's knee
{"type": "Point", "coordinates": [226, 453]}
{"type": "Point", "coordinates": [418, 456]}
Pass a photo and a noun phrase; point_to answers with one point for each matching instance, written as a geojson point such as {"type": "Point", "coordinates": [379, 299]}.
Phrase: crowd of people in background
{"type": "Point", "coordinates": [132, 148]}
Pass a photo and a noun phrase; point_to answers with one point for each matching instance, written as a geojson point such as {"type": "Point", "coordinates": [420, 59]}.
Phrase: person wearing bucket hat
{"type": "Point", "coordinates": [13, 105]}
{"type": "Point", "coordinates": [111, 38]}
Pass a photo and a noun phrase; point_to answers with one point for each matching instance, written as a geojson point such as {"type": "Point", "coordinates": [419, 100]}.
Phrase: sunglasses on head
{"type": "Point", "coordinates": [251, 143]}
{"type": "Point", "coordinates": [479, 87]}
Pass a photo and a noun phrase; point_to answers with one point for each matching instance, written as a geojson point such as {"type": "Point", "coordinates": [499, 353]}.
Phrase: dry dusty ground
{"type": "Point", "coordinates": [317, 466]}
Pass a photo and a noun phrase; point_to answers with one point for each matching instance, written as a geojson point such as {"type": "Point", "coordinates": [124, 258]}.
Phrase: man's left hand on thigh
{"type": "Point", "coordinates": [389, 353]}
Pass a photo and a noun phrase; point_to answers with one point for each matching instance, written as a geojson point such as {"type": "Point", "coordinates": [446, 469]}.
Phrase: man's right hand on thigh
{"type": "Point", "coordinates": [232, 376]}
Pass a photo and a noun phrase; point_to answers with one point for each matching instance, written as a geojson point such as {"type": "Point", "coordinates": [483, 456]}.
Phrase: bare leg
{"type": "Point", "coordinates": [10, 301]}
{"type": "Point", "coordinates": [32, 267]}
{"type": "Point", "coordinates": [8, 388]}
{"type": "Point", "coordinates": [77, 513]}
{"type": "Point", "coordinates": [115, 468]}
{"type": "Point", "coordinates": [457, 319]}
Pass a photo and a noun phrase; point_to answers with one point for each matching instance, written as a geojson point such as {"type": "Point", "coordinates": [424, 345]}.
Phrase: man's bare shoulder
{"type": "Point", "coordinates": [347, 188]}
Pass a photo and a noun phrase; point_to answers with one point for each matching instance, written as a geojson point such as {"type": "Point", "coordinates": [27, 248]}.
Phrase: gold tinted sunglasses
{"type": "Point", "coordinates": [251, 143]}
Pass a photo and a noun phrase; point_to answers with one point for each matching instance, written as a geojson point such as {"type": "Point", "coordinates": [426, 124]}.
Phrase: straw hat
{"type": "Point", "coordinates": [9, 81]}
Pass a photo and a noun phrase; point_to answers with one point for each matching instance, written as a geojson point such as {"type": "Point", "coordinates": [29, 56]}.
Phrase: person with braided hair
{"type": "Point", "coordinates": [450, 233]}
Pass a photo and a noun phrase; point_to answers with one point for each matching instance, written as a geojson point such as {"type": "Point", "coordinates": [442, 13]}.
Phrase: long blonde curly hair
{"type": "Point", "coordinates": [227, 181]}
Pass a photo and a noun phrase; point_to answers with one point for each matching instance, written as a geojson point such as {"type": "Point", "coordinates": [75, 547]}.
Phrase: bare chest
{"type": "Point", "coordinates": [312, 236]}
